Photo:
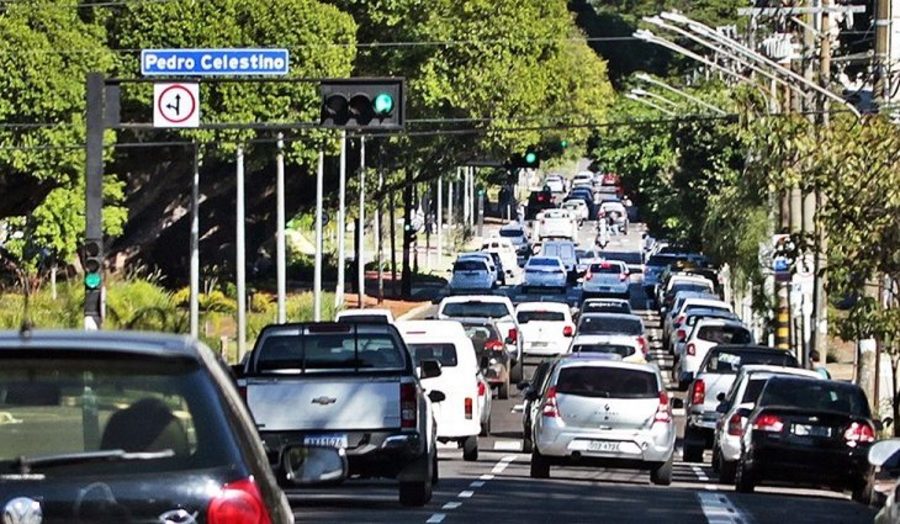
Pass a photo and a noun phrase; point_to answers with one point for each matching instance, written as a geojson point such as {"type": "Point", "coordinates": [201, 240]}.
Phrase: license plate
{"type": "Point", "coordinates": [539, 344]}
{"type": "Point", "coordinates": [807, 430]}
{"type": "Point", "coordinates": [603, 446]}
{"type": "Point", "coordinates": [326, 441]}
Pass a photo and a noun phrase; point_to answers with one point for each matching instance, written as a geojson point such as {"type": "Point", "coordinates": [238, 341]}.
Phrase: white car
{"type": "Point", "coordinates": [489, 258]}
{"type": "Point", "coordinates": [681, 283]}
{"type": "Point", "coordinates": [458, 416]}
{"type": "Point", "coordinates": [685, 302]}
{"type": "Point", "coordinates": [578, 208]}
{"type": "Point", "coordinates": [624, 346]}
{"type": "Point", "coordinates": [555, 183]}
{"type": "Point", "coordinates": [609, 324]}
{"type": "Point", "coordinates": [498, 308]}
{"type": "Point", "coordinates": [377, 315]}
{"type": "Point", "coordinates": [516, 234]}
{"type": "Point", "coordinates": [556, 223]}
{"type": "Point", "coordinates": [544, 272]}
{"type": "Point", "coordinates": [707, 332]}
{"type": "Point", "coordinates": [583, 178]}
{"type": "Point", "coordinates": [472, 274]}
{"type": "Point", "coordinates": [586, 257]}
{"type": "Point", "coordinates": [606, 305]}
{"type": "Point", "coordinates": [504, 249]}
{"type": "Point", "coordinates": [609, 277]}
{"type": "Point", "coordinates": [546, 327]}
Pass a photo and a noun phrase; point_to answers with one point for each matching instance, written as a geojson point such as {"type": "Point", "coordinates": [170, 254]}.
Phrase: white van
{"type": "Point", "coordinates": [458, 416]}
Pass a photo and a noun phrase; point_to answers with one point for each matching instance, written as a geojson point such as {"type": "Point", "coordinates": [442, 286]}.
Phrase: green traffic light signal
{"type": "Point", "coordinates": [530, 157]}
{"type": "Point", "coordinates": [384, 104]}
{"type": "Point", "coordinates": [564, 143]}
{"type": "Point", "coordinates": [92, 280]}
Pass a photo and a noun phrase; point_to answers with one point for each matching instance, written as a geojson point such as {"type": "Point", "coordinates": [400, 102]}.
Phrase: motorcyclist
{"type": "Point", "coordinates": [602, 238]}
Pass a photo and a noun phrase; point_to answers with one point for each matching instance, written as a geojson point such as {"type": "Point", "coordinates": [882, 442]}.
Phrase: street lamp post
{"type": "Point", "coordinates": [650, 80]}
{"type": "Point", "coordinates": [647, 94]}
{"type": "Point", "coordinates": [644, 101]}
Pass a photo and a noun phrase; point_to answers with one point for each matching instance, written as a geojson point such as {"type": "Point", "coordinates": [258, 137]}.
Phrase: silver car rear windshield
{"type": "Point", "coordinates": [601, 324]}
{"type": "Point", "coordinates": [614, 349]}
{"type": "Point", "coordinates": [329, 351]}
{"type": "Point", "coordinates": [475, 309]}
{"type": "Point", "coordinates": [606, 382]}
{"type": "Point", "coordinates": [724, 334]}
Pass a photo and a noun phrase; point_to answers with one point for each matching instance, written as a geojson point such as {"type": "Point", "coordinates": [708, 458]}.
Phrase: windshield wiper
{"type": "Point", "coordinates": [25, 464]}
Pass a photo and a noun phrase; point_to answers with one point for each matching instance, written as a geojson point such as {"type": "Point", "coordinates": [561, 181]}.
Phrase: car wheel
{"type": "Point", "coordinates": [470, 449]}
{"type": "Point", "coordinates": [540, 466]}
{"type": "Point", "coordinates": [727, 470]}
{"type": "Point", "coordinates": [743, 479]}
{"type": "Point", "coordinates": [693, 446]}
{"type": "Point", "coordinates": [527, 445]}
{"type": "Point", "coordinates": [434, 469]}
{"type": "Point", "coordinates": [486, 428]}
{"type": "Point", "coordinates": [661, 475]}
{"type": "Point", "coordinates": [503, 388]}
{"type": "Point", "coordinates": [415, 493]}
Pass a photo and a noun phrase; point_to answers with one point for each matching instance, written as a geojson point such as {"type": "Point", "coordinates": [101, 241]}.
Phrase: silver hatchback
{"type": "Point", "coordinates": [601, 412]}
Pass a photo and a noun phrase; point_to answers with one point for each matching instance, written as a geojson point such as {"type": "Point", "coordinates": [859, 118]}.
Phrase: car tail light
{"type": "Point", "coordinates": [679, 320]}
{"type": "Point", "coordinates": [681, 335]}
{"type": "Point", "coordinates": [513, 335]}
{"type": "Point", "coordinates": [691, 349]}
{"type": "Point", "coordinates": [645, 348]}
{"type": "Point", "coordinates": [736, 425]}
{"type": "Point", "coordinates": [408, 406]}
{"type": "Point", "coordinates": [550, 408]}
{"type": "Point", "coordinates": [482, 389]}
{"type": "Point", "coordinates": [662, 411]}
{"type": "Point", "coordinates": [589, 276]}
{"type": "Point", "coordinates": [623, 277]}
{"type": "Point", "coordinates": [768, 422]}
{"type": "Point", "coordinates": [568, 331]}
{"type": "Point", "coordinates": [238, 502]}
{"type": "Point", "coordinates": [859, 432]}
{"type": "Point", "coordinates": [698, 392]}
{"type": "Point", "coordinates": [468, 408]}
{"type": "Point", "coordinates": [494, 345]}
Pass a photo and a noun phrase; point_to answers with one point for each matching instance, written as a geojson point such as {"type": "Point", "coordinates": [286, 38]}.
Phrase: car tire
{"type": "Point", "coordinates": [503, 388]}
{"type": "Point", "coordinates": [415, 493]}
{"type": "Point", "coordinates": [743, 479]}
{"type": "Point", "coordinates": [470, 449]}
{"type": "Point", "coordinates": [516, 373]}
{"type": "Point", "coordinates": [692, 450]}
{"type": "Point", "coordinates": [661, 475]}
{"type": "Point", "coordinates": [527, 445]}
{"type": "Point", "coordinates": [727, 471]}
{"type": "Point", "coordinates": [486, 428]}
{"type": "Point", "coordinates": [540, 466]}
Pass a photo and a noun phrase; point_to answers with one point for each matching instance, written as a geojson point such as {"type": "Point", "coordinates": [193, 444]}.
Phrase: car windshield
{"type": "Point", "coordinates": [609, 324]}
{"type": "Point", "coordinates": [329, 351]}
{"type": "Point", "coordinates": [729, 362]}
{"type": "Point", "coordinates": [511, 233]}
{"type": "Point", "coordinates": [67, 403]}
{"type": "Point", "coordinates": [475, 309]}
{"type": "Point", "coordinates": [525, 317]}
{"type": "Point", "coordinates": [613, 269]}
{"type": "Point", "coordinates": [815, 395]}
{"type": "Point", "coordinates": [725, 334]}
{"type": "Point", "coordinates": [613, 349]}
{"type": "Point", "coordinates": [443, 353]}
{"type": "Point", "coordinates": [544, 262]}
{"type": "Point", "coordinates": [469, 265]}
{"type": "Point", "coordinates": [606, 382]}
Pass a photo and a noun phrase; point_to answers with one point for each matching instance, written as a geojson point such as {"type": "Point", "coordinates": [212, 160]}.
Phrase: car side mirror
{"type": "Point", "coordinates": [677, 403]}
{"type": "Point", "coordinates": [531, 395]}
{"type": "Point", "coordinates": [429, 369]}
{"type": "Point", "coordinates": [237, 370]}
{"type": "Point", "coordinates": [721, 396]}
{"type": "Point", "coordinates": [436, 396]}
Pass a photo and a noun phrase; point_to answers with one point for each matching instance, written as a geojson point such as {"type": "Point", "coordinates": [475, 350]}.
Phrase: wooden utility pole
{"type": "Point", "coordinates": [882, 40]}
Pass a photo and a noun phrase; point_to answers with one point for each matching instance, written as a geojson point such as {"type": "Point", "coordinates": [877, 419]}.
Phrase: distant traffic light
{"type": "Point", "coordinates": [93, 264]}
{"type": "Point", "coordinates": [362, 103]}
{"type": "Point", "coordinates": [531, 158]}
{"type": "Point", "coordinates": [563, 143]}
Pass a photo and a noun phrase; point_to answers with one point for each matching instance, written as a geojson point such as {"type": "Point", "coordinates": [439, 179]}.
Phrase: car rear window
{"type": "Point", "coordinates": [544, 262]}
{"type": "Point", "coordinates": [329, 351]}
{"type": "Point", "coordinates": [475, 309]}
{"type": "Point", "coordinates": [480, 335]}
{"type": "Point", "coordinates": [511, 233]}
{"type": "Point", "coordinates": [540, 316]}
{"type": "Point", "coordinates": [469, 265]}
{"type": "Point", "coordinates": [815, 395]}
{"type": "Point", "coordinates": [61, 403]}
{"type": "Point", "coordinates": [694, 307]}
{"type": "Point", "coordinates": [613, 269]}
{"type": "Point", "coordinates": [605, 382]}
{"type": "Point", "coordinates": [730, 362]}
{"type": "Point", "coordinates": [754, 387]}
{"type": "Point", "coordinates": [662, 260]}
{"type": "Point", "coordinates": [603, 324]}
{"type": "Point", "coordinates": [724, 334]}
{"type": "Point", "coordinates": [443, 353]}
{"type": "Point", "coordinates": [363, 319]}
{"type": "Point", "coordinates": [629, 257]}
{"type": "Point", "coordinates": [613, 349]}
{"type": "Point", "coordinates": [689, 287]}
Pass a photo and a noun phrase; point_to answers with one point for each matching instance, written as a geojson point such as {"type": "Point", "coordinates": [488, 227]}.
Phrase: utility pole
{"type": "Point", "coordinates": [93, 237]}
{"type": "Point", "coordinates": [280, 247]}
{"type": "Point", "coordinates": [317, 271]}
{"type": "Point", "coordinates": [379, 230]}
{"type": "Point", "coordinates": [882, 49]}
{"type": "Point", "coordinates": [439, 220]}
{"type": "Point", "coordinates": [361, 249]}
{"type": "Point", "coordinates": [195, 245]}
{"type": "Point", "coordinates": [241, 261]}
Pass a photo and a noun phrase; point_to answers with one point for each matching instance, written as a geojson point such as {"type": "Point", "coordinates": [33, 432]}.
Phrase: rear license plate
{"type": "Point", "coordinates": [539, 344]}
{"type": "Point", "coordinates": [603, 446]}
{"type": "Point", "coordinates": [807, 430]}
{"type": "Point", "coordinates": [335, 440]}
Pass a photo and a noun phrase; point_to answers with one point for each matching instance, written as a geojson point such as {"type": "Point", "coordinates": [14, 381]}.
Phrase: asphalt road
{"type": "Point", "coordinates": [498, 488]}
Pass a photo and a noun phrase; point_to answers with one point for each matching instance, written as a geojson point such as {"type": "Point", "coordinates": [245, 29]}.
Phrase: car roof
{"type": "Point", "coordinates": [513, 225]}
{"type": "Point", "coordinates": [131, 342]}
{"type": "Point", "coordinates": [493, 299]}
{"type": "Point", "coordinates": [439, 328]}
{"type": "Point", "coordinates": [766, 369]}
{"type": "Point", "coordinates": [604, 360]}
{"type": "Point", "coordinates": [710, 321]}
{"type": "Point", "coordinates": [626, 340]}
{"type": "Point", "coordinates": [543, 306]}
{"type": "Point", "coordinates": [613, 315]}
{"type": "Point", "coordinates": [711, 313]}
{"type": "Point", "coordinates": [607, 301]}
{"type": "Point", "coordinates": [359, 311]}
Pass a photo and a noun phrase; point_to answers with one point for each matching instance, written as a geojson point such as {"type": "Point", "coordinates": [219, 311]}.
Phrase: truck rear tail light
{"type": "Point", "coordinates": [513, 335]}
{"type": "Point", "coordinates": [768, 422]}
{"type": "Point", "coordinates": [623, 277]}
{"type": "Point", "coordinates": [242, 391]}
{"type": "Point", "coordinates": [494, 345]}
{"type": "Point", "coordinates": [691, 349]}
{"type": "Point", "coordinates": [859, 432]}
{"type": "Point", "coordinates": [681, 335]}
{"type": "Point", "coordinates": [238, 502]}
{"type": "Point", "coordinates": [679, 320]}
{"type": "Point", "coordinates": [645, 348]}
{"type": "Point", "coordinates": [550, 409]}
{"type": "Point", "coordinates": [663, 414]}
{"type": "Point", "coordinates": [408, 406]}
{"type": "Point", "coordinates": [736, 425]}
{"type": "Point", "coordinates": [589, 276]}
{"type": "Point", "coordinates": [698, 392]}
{"type": "Point", "coordinates": [468, 407]}
{"type": "Point", "coordinates": [568, 331]}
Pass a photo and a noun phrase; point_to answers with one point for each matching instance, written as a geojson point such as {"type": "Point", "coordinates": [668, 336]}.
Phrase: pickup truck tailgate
{"type": "Point", "coordinates": [324, 403]}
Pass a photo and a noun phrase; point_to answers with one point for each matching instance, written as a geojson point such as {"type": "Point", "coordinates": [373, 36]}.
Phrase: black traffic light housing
{"type": "Point", "coordinates": [92, 260]}
{"type": "Point", "coordinates": [363, 103]}
{"type": "Point", "coordinates": [531, 158]}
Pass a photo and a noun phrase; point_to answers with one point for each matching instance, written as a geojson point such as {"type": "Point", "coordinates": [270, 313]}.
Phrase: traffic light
{"type": "Point", "coordinates": [531, 158]}
{"type": "Point", "coordinates": [362, 103]}
{"type": "Point", "coordinates": [93, 264]}
{"type": "Point", "coordinates": [563, 143]}
{"type": "Point", "coordinates": [410, 233]}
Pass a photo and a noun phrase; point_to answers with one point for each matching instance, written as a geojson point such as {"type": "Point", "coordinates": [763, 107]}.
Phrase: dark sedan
{"type": "Point", "coordinates": [122, 427]}
{"type": "Point", "coordinates": [807, 432]}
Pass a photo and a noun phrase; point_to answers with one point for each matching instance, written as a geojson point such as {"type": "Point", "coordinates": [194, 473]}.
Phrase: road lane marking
{"type": "Point", "coordinates": [451, 505]}
{"type": "Point", "coordinates": [718, 509]}
{"type": "Point", "coordinates": [508, 445]}
{"type": "Point", "coordinates": [501, 466]}
{"type": "Point", "coordinates": [700, 474]}
{"type": "Point", "coordinates": [476, 484]}
{"type": "Point", "coordinates": [486, 477]}
{"type": "Point", "coordinates": [467, 494]}
{"type": "Point", "coordinates": [437, 518]}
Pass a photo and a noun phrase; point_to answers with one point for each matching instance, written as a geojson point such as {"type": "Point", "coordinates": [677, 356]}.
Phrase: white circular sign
{"type": "Point", "coordinates": [176, 105]}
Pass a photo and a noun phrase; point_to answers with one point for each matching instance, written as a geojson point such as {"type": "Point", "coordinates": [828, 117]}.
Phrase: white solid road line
{"type": "Point", "coordinates": [437, 518]}
{"type": "Point", "coordinates": [718, 509]}
{"type": "Point", "coordinates": [508, 445]}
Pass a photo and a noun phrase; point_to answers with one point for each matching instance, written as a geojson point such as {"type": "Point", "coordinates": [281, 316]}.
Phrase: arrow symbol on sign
{"type": "Point", "coordinates": [177, 106]}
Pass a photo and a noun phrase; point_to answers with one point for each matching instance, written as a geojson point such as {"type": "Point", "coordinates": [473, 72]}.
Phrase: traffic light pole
{"type": "Point", "coordinates": [406, 277]}
{"type": "Point", "coordinates": [93, 296]}
{"type": "Point", "coordinates": [361, 249]}
{"type": "Point", "coordinates": [240, 257]}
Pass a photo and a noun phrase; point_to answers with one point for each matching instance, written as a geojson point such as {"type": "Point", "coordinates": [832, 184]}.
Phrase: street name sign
{"type": "Point", "coordinates": [214, 62]}
{"type": "Point", "coordinates": [176, 105]}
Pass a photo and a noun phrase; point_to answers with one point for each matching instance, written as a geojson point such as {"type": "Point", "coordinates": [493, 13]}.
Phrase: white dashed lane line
{"type": "Point", "coordinates": [498, 468]}
{"type": "Point", "coordinates": [718, 509]}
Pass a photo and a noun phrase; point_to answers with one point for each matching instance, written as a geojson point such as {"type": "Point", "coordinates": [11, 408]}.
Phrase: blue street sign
{"type": "Point", "coordinates": [210, 62]}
